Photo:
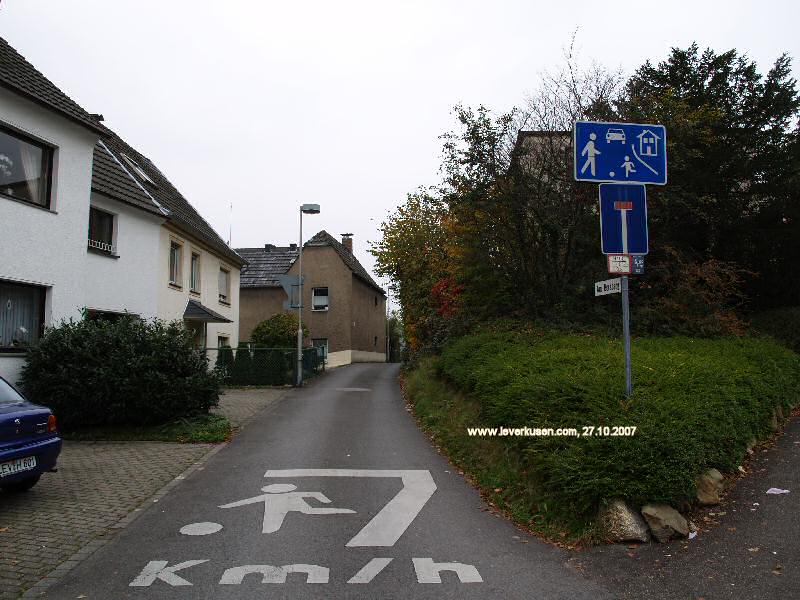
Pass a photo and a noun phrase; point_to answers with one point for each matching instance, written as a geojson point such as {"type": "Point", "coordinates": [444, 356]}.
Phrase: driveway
{"type": "Point", "coordinates": [333, 493]}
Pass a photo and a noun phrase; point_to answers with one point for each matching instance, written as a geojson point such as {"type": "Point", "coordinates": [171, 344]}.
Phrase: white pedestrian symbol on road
{"type": "Point", "coordinates": [590, 152]}
{"type": "Point", "coordinates": [280, 499]}
{"type": "Point", "coordinates": [628, 166]}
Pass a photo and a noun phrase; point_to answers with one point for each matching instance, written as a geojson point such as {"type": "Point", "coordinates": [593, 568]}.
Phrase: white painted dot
{"type": "Point", "coordinates": [611, 173]}
{"type": "Point", "coordinates": [205, 528]}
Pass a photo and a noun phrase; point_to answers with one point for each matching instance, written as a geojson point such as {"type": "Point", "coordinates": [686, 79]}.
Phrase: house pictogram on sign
{"type": "Point", "coordinates": [648, 143]}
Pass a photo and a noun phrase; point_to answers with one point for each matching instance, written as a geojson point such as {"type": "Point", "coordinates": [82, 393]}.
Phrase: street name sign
{"type": "Point", "coordinates": [609, 286]}
{"type": "Point", "coordinates": [623, 219]}
{"type": "Point", "coordinates": [619, 264]}
{"type": "Point", "coordinates": [620, 152]}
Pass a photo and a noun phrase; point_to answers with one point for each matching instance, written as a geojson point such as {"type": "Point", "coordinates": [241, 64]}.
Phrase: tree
{"type": "Point", "coordinates": [733, 168]}
{"type": "Point", "coordinates": [279, 331]}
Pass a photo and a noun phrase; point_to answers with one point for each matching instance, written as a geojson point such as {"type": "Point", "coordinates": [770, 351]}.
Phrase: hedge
{"type": "Point", "coordinates": [125, 372]}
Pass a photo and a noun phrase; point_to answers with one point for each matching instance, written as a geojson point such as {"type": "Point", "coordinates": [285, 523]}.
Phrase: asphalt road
{"type": "Point", "coordinates": [400, 522]}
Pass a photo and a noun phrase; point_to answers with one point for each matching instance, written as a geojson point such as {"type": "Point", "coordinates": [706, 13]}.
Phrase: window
{"type": "Point", "coordinates": [175, 259]}
{"type": "Point", "coordinates": [25, 168]}
{"type": "Point", "coordinates": [224, 285]}
{"type": "Point", "coordinates": [375, 343]}
{"type": "Point", "coordinates": [223, 341]}
{"type": "Point", "coordinates": [195, 273]}
{"type": "Point", "coordinates": [319, 298]}
{"type": "Point", "coordinates": [101, 230]}
{"type": "Point", "coordinates": [321, 344]}
{"type": "Point", "coordinates": [21, 315]}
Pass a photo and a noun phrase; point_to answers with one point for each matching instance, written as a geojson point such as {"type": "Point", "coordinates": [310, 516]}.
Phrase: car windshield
{"type": "Point", "coordinates": [8, 395]}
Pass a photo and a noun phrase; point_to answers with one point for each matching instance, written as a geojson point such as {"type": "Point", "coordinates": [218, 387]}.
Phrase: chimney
{"type": "Point", "coordinates": [292, 246]}
{"type": "Point", "coordinates": [347, 241]}
{"type": "Point", "coordinates": [269, 247]}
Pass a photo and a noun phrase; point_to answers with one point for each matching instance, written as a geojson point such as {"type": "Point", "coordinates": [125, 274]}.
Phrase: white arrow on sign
{"type": "Point", "coordinates": [609, 286]}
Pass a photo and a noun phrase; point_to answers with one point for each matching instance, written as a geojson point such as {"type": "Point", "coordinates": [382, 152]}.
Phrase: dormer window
{"type": "Point", "coordinates": [137, 169]}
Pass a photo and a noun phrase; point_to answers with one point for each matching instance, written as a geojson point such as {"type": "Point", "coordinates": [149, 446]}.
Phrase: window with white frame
{"type": "Point", "coordinates": [194, 275]}
{"type": "Point", "coordinates": [25, 168]}
{"type": "Point", "coordinates": [21, 315]}
{"type": "Point", "coordinates": [101, 231]}
{"type": "Point", "coordinates": [319, 298]}
{"type": "Point", "coordinates": [175, 260]}
{"type": "Point", "coordinates": [224, 285]}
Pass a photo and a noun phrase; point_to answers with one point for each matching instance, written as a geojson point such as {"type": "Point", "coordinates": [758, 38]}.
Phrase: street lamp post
{"type": "Point", "coordinates": [308, 209]}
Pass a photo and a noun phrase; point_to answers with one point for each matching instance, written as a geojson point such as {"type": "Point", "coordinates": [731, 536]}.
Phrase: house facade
{"type": "Point", "coordinates": [82, 236]}
{"type": "Point", "coordinates": [343, 308]}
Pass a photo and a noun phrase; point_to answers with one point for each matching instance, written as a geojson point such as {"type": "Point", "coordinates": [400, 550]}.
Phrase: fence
{"type": "Point", "coordinates": [249, 365]}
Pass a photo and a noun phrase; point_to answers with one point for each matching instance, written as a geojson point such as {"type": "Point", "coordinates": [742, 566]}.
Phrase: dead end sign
{"type": "Point", "coordinates": [609, 286]}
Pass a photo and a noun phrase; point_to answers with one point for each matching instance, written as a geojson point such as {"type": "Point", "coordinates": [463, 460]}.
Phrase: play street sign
{"type": "Point", "coordinates": [623, 219]}
{"type": "Point", "coordinates": [620, 152]}
{"type": "Point", "coordinates": [609, 286]}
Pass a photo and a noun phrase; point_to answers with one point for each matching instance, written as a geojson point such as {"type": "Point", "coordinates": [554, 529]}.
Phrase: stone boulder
{"type": "Point", "coordinates": [665, 522]}
{"type": "Point", "coordinates": [623, 524]}
{"type": "Point", "coordinates": [709, 487]}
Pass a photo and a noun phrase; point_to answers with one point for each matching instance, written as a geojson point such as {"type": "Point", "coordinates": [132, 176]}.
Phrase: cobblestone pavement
{"type": "Point", "coordinates": [98, 484]}
{"type": "Point", "coordinates": [241, 404]}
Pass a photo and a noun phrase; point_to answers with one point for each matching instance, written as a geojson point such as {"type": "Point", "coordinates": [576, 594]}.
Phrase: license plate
{"type": "Point", "coordinates": [17, 466]}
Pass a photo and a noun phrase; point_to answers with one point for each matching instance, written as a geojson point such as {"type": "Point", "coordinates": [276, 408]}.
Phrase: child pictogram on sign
{"type": "Point", "coordinates": [280, 499]}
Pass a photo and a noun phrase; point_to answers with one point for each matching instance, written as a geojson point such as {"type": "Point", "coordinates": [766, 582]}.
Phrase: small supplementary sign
{"type": "Point", "coordinates": [609, 286]}
{"type": "Point", "coordinates": [619, 264]}
{"type": "Point", "coordinates": [637, 265]}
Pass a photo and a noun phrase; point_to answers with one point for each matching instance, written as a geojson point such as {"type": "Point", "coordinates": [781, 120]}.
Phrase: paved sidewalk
{"type": "Point", "coordinates": [242, 404]}
{"type": "Point", "coordinates": [97, 485]}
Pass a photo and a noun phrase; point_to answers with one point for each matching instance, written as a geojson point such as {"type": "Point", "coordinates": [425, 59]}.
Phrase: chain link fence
{"type": "Point", "coordinates": [250, 365]}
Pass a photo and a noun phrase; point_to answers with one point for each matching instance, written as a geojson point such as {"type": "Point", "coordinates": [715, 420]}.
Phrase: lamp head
{"type": "Point", "coordinates": [310, 209]}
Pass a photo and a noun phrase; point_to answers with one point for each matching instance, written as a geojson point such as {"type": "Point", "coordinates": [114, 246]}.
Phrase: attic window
{"type": "Point", "coordinates": [137, 169]}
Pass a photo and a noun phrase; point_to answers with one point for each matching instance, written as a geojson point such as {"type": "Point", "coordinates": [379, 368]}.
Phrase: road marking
{"type": "Point", "coordinates": [204, 528]}
{"type": "Point", "coordinates": [270, 574]}
{"type": "Point", "coordinates": [353, 389]}
{"type": "Point", "coordinates": [370, 570]}
{"type": "Point", "coordinates": [429, 571]}
{"type": "Point", "coordinates": [158, 569]}
{"type": "Point", "coordinates": [390, 523]}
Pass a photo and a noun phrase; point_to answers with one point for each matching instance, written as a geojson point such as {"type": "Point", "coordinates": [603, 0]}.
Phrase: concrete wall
{"type": "Point", "coordinates": [126, 283]}
{"type": "Point", "coordinates": [172, 300]}
{"type": "Point", "coordinates": [255, 305]}
{"type": "Point", "coordinates": [322, 267]}
{"type": "Point", "coordinates": [369, 320]}
{"type": "Point", "coordinates": [48, 247]}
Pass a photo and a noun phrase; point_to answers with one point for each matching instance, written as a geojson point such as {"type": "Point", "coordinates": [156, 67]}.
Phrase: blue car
{"type": "Point", "coordinates": [29, 442]}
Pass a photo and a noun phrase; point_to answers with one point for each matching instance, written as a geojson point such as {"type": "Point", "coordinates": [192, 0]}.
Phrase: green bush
{"type": "Point", "coordinates": [696, 404]}
{"type": "Point", "coordinates": [781, 323]}
{"type": "Point", "coordinates": [224, 363]}
{"type": "Point", "coordinates": [127, 372]}
{"type": "Point", "coordinates": [242, 370]}
{"type": "Point", "coordinates": [279, 331]}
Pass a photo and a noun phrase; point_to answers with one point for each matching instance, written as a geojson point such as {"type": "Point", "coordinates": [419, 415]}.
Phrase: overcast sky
{"type": "Point", "coordinates": [273, 104]}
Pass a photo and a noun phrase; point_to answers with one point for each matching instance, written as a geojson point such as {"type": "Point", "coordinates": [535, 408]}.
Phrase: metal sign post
{"type": "Point", "coordinates": [626, 336]}
{"type": "Point", "coordinates": [622, 158]}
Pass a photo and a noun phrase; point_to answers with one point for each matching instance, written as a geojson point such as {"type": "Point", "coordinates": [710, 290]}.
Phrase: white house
{"type": "Point", "coordinates": [64, 175]}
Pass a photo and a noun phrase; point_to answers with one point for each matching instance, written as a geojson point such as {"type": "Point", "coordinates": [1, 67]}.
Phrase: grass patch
{"type": "Point", "coordinates": [191, 430]}
{"type": "Point", "coordinates": [696, 405]}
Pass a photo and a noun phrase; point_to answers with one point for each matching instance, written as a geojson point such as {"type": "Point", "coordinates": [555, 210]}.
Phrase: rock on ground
{"type": "Point", "coordinates": [665, 522]}
{"type": "Point", "coordinates": [622, 523]}
{"type": "Point", "coordinates": [709, 487]}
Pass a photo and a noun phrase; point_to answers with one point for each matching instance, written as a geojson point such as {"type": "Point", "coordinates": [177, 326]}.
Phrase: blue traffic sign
{"type": "Point", "coordinates": [623, 219]}
{"type": "Point", "coordinates": [620, 152]}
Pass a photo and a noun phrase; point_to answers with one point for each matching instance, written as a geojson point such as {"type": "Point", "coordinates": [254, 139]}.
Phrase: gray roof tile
{"type": "Point", "coordinates": [22, 77]}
